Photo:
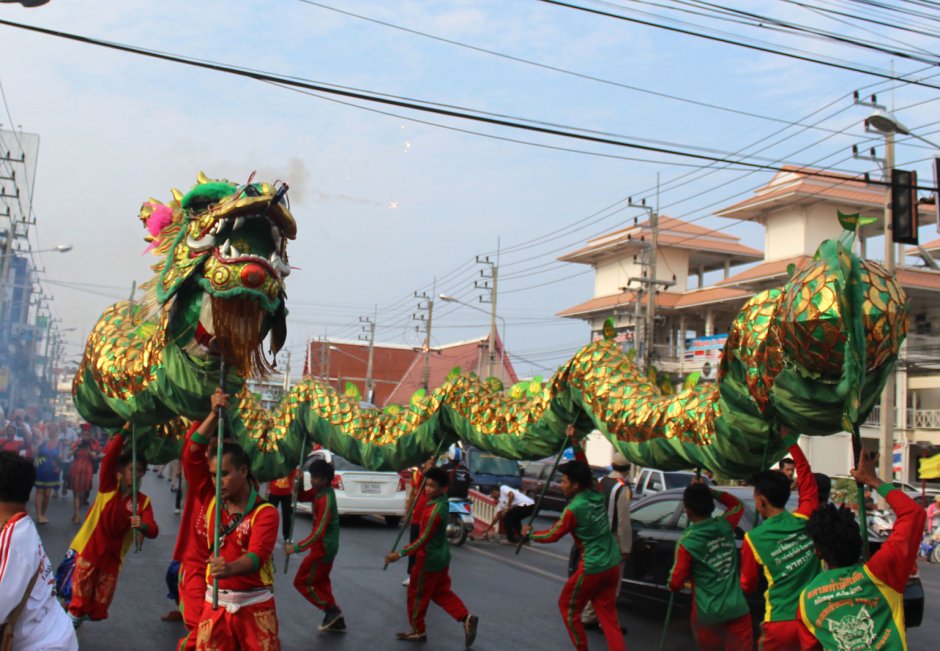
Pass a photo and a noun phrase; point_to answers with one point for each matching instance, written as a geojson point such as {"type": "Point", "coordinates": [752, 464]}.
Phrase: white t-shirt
{"type": "Point", "coordinates": [43, 625]}
{"type": "Point", "coordinates": [518, 498]}
{"type": "Point", "coordinates": [68, 440]}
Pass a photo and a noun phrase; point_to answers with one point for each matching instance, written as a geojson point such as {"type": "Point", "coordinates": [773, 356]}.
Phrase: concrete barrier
{"type": "Point", "coordinates": [484, 512]}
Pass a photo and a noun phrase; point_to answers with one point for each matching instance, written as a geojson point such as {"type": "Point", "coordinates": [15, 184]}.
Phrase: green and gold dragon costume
{"type": "Point", "coordinates": [811, 357]}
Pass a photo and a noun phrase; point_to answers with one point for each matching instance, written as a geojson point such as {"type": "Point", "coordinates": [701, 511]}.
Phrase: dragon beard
{"type": "Point", "coordinates": [237, 327]}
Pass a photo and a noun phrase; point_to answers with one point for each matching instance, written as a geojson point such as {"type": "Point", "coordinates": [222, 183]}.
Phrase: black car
{"type": "Point", "coordinates": [535, 475]}
{"type": "Point", "coordinates": [658, 522]}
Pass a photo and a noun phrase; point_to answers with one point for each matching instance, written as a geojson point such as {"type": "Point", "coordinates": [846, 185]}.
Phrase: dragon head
{"type": "Point", "coordinates": [224, 260]}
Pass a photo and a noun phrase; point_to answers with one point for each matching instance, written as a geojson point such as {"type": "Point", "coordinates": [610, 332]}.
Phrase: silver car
{"type": "Point", "coordinates": [360, 491]}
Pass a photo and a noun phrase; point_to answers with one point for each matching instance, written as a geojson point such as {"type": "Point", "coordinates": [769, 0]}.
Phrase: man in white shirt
{"type": "Point", "coordinates": [513, 507]}
{"type": "Point", "coordinates": [38, 621]}
{"type": "Point", "coordinates": [68, 437]}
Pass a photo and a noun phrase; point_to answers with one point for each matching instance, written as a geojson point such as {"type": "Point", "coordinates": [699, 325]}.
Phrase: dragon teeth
{"type": "Point", "coordinates": [239, 222]}
{"type": "Point", "coordinates": [203, 243]}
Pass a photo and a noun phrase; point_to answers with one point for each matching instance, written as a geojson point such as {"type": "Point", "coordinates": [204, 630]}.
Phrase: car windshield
{"type": "Point", "coordinates": [486, 463]}
{"type": "Point", "coordinates": [677, 479]}
{"type": "Point", "coordinates": [339, 463]}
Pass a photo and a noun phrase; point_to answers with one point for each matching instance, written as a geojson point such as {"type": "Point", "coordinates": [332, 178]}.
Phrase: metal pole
{"type": "Point", "coordinates": [223, 369]}
{"type": "Point", "coordinates": [538, 504]}
{"type": "Point", "coordinates": [293, 501]}
{"type": "Point", "coordinates": [370, 383]}
{"type": "Point", "coordinates": [426, 374]}
{"type": "Point", "coordinates": [888, 395]}
{"type": "Point", "coordinates": [857, 451]}
{"type": "Point", "coordinates": [651, 299]}
{"type": "Point", "coordinates": [491, 353]}
{"type": "Point", "coordinates": [134, 481]}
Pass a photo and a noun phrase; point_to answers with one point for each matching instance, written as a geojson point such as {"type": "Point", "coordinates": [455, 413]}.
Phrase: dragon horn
{"type": "Point", "coordinates": [177, 195]}
{"type": "Point", "coordinates": [202, 179]}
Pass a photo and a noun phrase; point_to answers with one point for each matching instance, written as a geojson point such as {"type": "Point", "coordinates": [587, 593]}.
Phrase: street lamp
{"type": "Point", "coordinates": [502, 351]}
{"type": "Point", "coordinates": [59, 248]}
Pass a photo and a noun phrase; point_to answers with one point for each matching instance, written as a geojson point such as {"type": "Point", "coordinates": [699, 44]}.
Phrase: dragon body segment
{"type": "Point", "coordinates": [811, 357]}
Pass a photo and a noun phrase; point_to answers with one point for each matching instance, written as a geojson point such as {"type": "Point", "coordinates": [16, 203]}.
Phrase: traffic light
{"type": "Point", "coordinates": [904, 206]}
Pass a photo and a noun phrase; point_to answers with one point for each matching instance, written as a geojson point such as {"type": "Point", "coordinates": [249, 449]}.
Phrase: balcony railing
{"type": "Point", "coordinates": [916, 418]}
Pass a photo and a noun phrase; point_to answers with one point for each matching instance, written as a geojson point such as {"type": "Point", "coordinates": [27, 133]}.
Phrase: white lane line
{"type": "Point", "coordinates": [525, 567]}
{"type": "Point", "coordinates": [533, 548]}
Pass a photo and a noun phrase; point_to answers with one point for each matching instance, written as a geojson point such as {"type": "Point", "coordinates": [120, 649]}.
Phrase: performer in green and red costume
{"type": "Point", "coordinates": [313, 576]}
{"type": "Point", "coordinates": [707, 556]}
{"type": "Point", "coordinates": [430, 578]}
{"type": "Point", "coordinates": [109, 528]}
{"type": "Point", "coordinates": [191, 549]}
{"type": "Point", "coordinates": [246, 617]}
{"type": "Point", "coordinates": [780, 544]}
{"type": "Point", "coordinates": [853, 605]}
{"type": "Point", "coordinates": [598, 574]}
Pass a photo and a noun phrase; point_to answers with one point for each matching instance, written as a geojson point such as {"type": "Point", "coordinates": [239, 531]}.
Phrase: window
{"type": "Point", "coordinates": [486, 463]}
{"type": "Point", "coordinates": [657, 515]}
{"type": "Point", "coordinates": [655, 484]}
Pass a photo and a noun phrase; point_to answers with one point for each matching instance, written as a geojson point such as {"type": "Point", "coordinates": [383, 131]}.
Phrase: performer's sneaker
{"type": "Point", "coordinates": [413, 636]}
{"type": "Point", "coordinates": [406, 582]}
{"type": "Point", "coordinates": [470, 630]}
{"type": "Point", "coordinates": [332, 616]}
{"type": "Point", "coordinates": [338, 627]}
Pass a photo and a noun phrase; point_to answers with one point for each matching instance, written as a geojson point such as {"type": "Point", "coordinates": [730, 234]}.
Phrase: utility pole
{"type": "Point", "coordinates": [648, 281]}
{"type": "Point", "coordinates": [489, 279]}
{"type": "Point", "coordinates": [426, 306]}
{"type": "Point", "coordinates": [887, 420]}
{"type": "Point", "coordinates": [369, 326]}
{"type": "Point", "coordinates": [287, 374]}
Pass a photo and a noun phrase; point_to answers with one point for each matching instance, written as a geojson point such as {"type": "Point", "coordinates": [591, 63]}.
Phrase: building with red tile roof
{"type": "Point", "coordinates": [398, 370]}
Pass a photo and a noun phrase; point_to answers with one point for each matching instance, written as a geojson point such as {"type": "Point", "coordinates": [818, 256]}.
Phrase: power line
{"type": "Point", "coordinates": [728, 41]}
{"type": "Point", "coordinates": [545, 66]}
{"type": "Point", "coordinates": [401, 103]}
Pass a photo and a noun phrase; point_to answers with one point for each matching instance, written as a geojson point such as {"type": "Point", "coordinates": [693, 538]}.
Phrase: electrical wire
{"type": "Point", "coordinates": [389, 100]}
{"type": "Point", "coordinates": [728, 41]}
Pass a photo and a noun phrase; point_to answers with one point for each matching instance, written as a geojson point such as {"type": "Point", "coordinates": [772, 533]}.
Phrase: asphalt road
{"type": "Point", "coordinates": [514, 596]}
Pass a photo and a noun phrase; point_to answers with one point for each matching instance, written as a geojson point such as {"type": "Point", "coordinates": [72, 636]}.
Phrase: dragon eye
{"type": "Point", "coordinates": [252, 191]}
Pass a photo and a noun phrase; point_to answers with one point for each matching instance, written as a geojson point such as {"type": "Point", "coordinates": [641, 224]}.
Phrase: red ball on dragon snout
{"type": "Point", "coordinates": [253, 275]}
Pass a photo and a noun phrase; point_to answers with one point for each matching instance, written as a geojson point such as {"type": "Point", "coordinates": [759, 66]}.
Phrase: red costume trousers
{"type": "Point", "coordinates": [426, 587]}
{"type": "Point", "coordinates": [92, 590]}
{"type": "Point", "coordinates": [192, 588]}
{"type": "Point", "coordinates": [601, 590]}
{"type": "Point", "coordinates": [734, 635]}
{"type": "Point", "coordinates": [313, 582]}
{"type": "Point", "coordinates": [779, 636]}
{"type": "Point", "coordinates": [251, 628]}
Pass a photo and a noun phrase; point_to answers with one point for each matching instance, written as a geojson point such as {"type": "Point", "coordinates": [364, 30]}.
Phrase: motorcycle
{"type": "Point", "coordinates": [459, 520]}
{"type": "Point", "coordinates": [930, 548]}
{"type": "Point", "coordinates": [881, 523]}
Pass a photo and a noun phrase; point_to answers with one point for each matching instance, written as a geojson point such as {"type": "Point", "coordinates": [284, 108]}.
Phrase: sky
{"type": "Point", "coordinates": [398, 201]}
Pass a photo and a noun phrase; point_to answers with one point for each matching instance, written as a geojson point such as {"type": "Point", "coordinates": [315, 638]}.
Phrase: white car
{"type": "Point", "coordinates": [360, 491]}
